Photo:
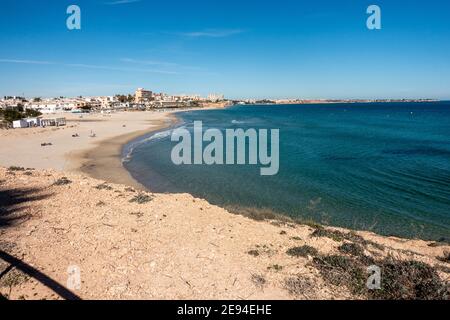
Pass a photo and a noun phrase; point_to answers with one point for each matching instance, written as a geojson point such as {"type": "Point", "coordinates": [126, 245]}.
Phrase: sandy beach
{"type": "Point", "coordinates": [77, 206]}
{"type": "Point", "coordinates": [98, 156]}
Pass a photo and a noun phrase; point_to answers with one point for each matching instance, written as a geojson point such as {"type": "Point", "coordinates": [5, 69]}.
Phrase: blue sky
{"type": "Point", "coordinates": [254, 49]}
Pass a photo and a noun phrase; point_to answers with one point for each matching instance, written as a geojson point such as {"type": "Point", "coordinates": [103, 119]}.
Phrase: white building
{"type": "Point", "coordinates": [20, 124]}
{"type": "Point", "coordinates": [142, 95]}
{"type": "Point", "coordinates": [33, 122]}
{"type": "Point", "coordinates": [27, 122]}
{"type": "Point", "coordinates": [215, 97]}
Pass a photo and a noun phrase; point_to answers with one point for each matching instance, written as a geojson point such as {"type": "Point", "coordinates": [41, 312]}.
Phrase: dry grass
{"type": "Point", "coordinates": [254, 253]}
{"type": "Point", "coordinates": [409, 280]}
{"type": "Point", "coordinates": [13, 278]}
{"type": "Point", "coordinates": [342, 271]}
{"type": "Point", "coordinates": [332, 234]}
{"type": "Point", "coordinates": [15, 168]}
{"type": "Point", "coordinates": [103, 186]}
{"type": "Point", "coordinates": [62, 182]}
{"type": "Point", "coordinates": [141, 198]}
{"type": "Point", "coordinates": [303, 251]}
{"type": "Point", "coordinates": [275, 267]}
{"type": "Point", "coordinates": [445, 258]}
{"type": "Point", "coordinates": [258, 280]}
{"type": "Point", "coordinates": [353, 249]}
{"type": "Point", "coordinates": [400, 280]}
{"type": "Point", "coordinates": [137, 214]}
{"type": "Point", "coordinates": [299, 286]}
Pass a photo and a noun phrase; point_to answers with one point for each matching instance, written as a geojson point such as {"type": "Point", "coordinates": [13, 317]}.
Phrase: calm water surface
{"type": "Point", "coordinates": [383, 167]}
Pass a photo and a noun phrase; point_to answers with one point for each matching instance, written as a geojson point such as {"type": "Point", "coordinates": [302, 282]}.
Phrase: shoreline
{"type": "Point", "coordinates": [104, 161]}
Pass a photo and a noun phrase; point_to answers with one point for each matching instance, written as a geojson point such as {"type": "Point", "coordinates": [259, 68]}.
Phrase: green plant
{"type": "Point", "coordinates": [13, 115]}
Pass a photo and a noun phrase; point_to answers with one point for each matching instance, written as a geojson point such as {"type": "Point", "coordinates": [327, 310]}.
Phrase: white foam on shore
{"type": "Point", "coordinates": [156, 136]}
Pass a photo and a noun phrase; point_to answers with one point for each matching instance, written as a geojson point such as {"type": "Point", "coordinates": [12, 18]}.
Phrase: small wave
{"type": "Point", "coordinates": [237, 122]}
{"type": "Point", "coordinates": [418, 151]}
{"type": "Point", "coordinates": [155, 136]}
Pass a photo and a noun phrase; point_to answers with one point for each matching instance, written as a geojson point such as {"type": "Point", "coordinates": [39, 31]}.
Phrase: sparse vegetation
{"type": "Point", "coordinates": [410, 280]}
{"type": "Point", "coordinates": [7, 246]}
{"type": "Point", "coordinates": [303, 251]}
{"type": "Point", "coordinates": [298, 285]}
{"type": "Point", "coordinates": [308, 222]}
{"type": "Point", "coordinates": [332, 234]}
{"type": "Point", "coordinates": [296, 238]}
{"type": "Point", "coordinates": [13, 278]}
{"type": "Point", "coordinates": [62, 181]}
{"type": "Point", "coordinates": [352, 249]}
{"type": "Point", "coordinates": [12, 115]}
{"type": "Point", "coordinates": [100, 204]}
{"type": "Point", "coordinates": [15, 168]}
{"type": "Point", "coordinates": [103, 186]}
{"type": "Point", "coordinates": [341, 270]}
{"type": "Point", "coordinates": [141, 198]}
{"type": "Point", "coordinates": [137, 214]}
{"type": "Point", "coordinates": [258, 280]}
{"type": "Point", "coordinates": [445, 258]}
{"type": "Point", "coordinates": [400, 279]}
{"type": "Point", "coordinates": [254, 253]}
{"type": "Point", "coordinates": [275, 267]}
{"type": "Point", "coordinates": [339, 236]}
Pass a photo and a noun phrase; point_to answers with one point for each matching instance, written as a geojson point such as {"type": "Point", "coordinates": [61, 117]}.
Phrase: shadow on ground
{"type": "Point", "coordinates": [13, 201]}
{"type": "Point", "coordinates": [15, 263]}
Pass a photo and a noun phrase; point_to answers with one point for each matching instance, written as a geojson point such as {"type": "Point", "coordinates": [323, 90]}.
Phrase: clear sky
{"type": "Point", "coordinates": [246, 48]}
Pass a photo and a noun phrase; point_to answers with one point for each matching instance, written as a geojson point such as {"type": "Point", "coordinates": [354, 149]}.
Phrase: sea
{"type": "Point", "coordinates": [382, 167]}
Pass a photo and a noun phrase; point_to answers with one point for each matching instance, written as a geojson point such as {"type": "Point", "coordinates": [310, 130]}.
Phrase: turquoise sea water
{"type": "Point", "coordinates": [383, 167]}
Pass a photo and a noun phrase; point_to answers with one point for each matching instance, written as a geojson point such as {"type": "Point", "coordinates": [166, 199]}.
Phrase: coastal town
{"type": "Point", "coordinates": [23, 112]}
